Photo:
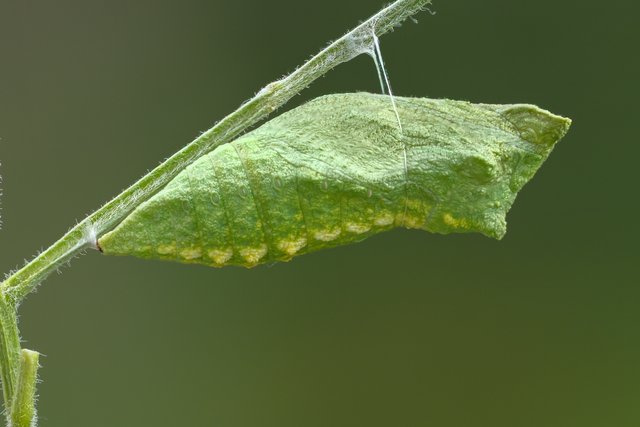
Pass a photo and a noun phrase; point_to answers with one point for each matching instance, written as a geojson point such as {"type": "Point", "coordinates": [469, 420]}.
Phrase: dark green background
{"type": "Point", "coordinates": [405, 329]}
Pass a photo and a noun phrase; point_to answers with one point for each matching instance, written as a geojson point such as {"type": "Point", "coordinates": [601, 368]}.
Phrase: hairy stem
{"type": "Point", "coordinates": [359, 40]}
{"type": "Point", "coordinates": [18, 368]}
{"type": "Point", "coordinates": [9, 350]}
{"type": "Point", "coordinates": [23, 408]}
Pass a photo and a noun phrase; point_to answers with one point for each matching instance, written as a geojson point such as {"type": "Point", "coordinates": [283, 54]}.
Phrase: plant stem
{"type": "Point", "coordinates": [9, 350]}
{"type": "Point", "coordinates": [19, 284]}
{"type": "Point", "coordinates": [359, 40]}
{"type": "Point", "coordinates": [23, 408]}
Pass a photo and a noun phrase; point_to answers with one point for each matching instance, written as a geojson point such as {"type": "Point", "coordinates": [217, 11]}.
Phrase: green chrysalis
{"type": "Point", "coordinates": [337, 170]}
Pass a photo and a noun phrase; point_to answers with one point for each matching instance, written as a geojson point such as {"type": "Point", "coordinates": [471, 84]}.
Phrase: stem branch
{"type": "Point", "coordinates": [9, 350]}
{"type": "Point", "coordinates": [23, 408]}
{"type": "Point", "coordinates": [18, 379]}
{"type": "Point", "coordinates": [359, 40]}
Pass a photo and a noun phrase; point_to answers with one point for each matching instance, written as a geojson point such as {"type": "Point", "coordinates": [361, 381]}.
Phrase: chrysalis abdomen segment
{"type": "Point", "coordinates": [338, 170]}
{"type": "Point", "coordinates": [283, 209]}
{"type": "Point", "coordinates": [243, 205]}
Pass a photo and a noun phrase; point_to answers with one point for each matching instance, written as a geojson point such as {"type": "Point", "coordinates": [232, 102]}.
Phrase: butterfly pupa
{"type": "Point", "coordinates": [337, 170]}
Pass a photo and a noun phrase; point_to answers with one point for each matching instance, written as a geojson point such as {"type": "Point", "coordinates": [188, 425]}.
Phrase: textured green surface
{"type": "Point", "coordinates": [337, 170]}
{"type": "Point", "coordinates": [23, 409]}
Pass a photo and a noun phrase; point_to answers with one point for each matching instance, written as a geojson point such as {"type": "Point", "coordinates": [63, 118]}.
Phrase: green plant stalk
{"type": "Point", "coordinates": [23, 408]}
{"type": "Point", "coordinates": [82, 236]}
{"type": "Point", "coordinates": [269, 99]}
{"type": "Point", "coordinates": [9, 350]}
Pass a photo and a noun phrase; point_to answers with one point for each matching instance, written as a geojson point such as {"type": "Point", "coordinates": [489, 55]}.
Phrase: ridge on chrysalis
{"type": "Point", "coordinates": [337, 170]}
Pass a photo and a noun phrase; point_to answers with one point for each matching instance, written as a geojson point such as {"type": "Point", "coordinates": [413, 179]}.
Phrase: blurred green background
{"type": "Point", "coordinates": [405, 329]}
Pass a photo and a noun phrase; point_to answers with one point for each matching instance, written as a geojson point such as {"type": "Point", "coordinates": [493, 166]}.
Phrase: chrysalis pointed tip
{"type": "Point", "coordinates": [536, 125]}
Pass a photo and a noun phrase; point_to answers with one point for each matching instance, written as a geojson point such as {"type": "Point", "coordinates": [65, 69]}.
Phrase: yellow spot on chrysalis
{"type": "Point", "coordinates": [220, 256]}
{"type": "Point", "coordinates": [253, 255]}
{"type": "Point", "coordinates": [455, 222]}
{"type": "Point", "coordinates": [384, 220]}
{"type": "Point", "coordinates": [327, 235]}
{"type": "Point", "coordinates": [291, 247]}
{"type": "Point", "coordinates": [191, 253]}
{"type": "Point", "coordinates": [411, 221]}
{"type": "Point", "coordinates": [167, 249]}
{"type": "Point", "coordinates": [357, 228]}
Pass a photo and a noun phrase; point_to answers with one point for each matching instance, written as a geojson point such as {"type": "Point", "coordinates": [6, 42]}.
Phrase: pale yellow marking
{"type": "Point", "coordinates": [220, 256]}
{"type": "Point", "coordinates": [410, 221]}
{"type": "Point", "coordinates": [327, 235]}
{"type": "Point", "coordinates": [291, 247]}
{"type": "Point", "coordinates": [358, 228]}
{"type": "Point", "coordinates": [253, 255]}
{"type": "Point", "coordinates": [384, 220]}
{"type": "Point", "coordinates": [455, 222]}
{"type": "Point", "coordinates": [191, 253]}
{"type": "Point", "coordinates": [166, 249]}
